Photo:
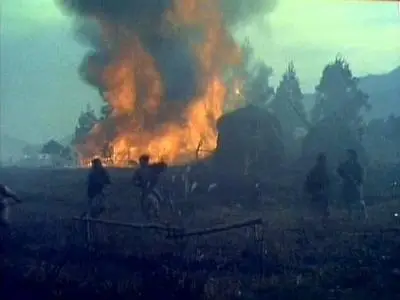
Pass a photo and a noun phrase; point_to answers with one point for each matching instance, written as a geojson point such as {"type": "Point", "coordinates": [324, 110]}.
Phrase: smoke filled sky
{"type": "Point", "coordinates": [42, 94]}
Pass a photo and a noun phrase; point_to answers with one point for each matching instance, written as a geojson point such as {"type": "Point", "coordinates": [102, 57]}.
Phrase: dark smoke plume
{"type": "Point", "coordinates": [237, 12]}
{"type": "Point", "coordinates": [140, 12]}
{"type": "Point", "coordinates": [173, 54]}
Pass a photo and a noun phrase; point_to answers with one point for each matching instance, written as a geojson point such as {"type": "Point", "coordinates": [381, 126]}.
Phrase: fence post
{"type": "Point", "coordinates": [259, 243]}
{"type": "Point", "coordinates": [88, 231]}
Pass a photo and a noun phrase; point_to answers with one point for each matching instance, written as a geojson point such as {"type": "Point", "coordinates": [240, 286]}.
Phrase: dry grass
{"type": "Point", "coordinates": [303, 258]}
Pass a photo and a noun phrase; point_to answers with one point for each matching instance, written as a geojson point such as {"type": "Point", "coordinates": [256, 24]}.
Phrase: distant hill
{"type": "Point", "coordinates": [11, 148]}
{"type": "Point", "coordinates": [383, 91]}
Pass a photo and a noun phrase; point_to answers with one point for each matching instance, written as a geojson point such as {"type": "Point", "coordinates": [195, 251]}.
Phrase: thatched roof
{"type": "Point", "coordinates": [249, 136]}
{"type": "Point", "coordinates": [249, 114]}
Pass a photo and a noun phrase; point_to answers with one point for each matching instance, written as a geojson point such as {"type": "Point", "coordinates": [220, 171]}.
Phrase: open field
{"type": "Point", "coordinates": [45, 253]}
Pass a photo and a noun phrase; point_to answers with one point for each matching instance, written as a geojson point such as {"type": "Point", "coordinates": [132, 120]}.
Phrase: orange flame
{"type": "Point", "coordinates": [134, 77]}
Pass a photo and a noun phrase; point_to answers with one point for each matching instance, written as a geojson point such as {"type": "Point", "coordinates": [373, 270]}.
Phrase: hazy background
{"type": "Point", "coordinates": [42, 94]}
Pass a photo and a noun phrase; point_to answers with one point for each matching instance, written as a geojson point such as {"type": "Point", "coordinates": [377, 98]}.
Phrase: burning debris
{"type": "Point", "coordinates": [159, 65]}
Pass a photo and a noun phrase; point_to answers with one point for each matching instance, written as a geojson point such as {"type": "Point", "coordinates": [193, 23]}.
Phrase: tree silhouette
{"type": "Point", "coordinates": [86, 121]}
{"type": "Point", "coordinates": [258, 90]}
{"type": "Point", "coordinates": [249, 81]}
{"type": "Point", "coordinates": [67, 154]}
{"type": "Point", "coordinates": [287, 104]}
{"type": "Point", "coordinates": [237, 76]}
{"type": "Point", "coordinates": [338, 95]}
{"type": "Point", "coordinates": [52, 147]}
{"type": "Point", "coordinates": [105, 111]}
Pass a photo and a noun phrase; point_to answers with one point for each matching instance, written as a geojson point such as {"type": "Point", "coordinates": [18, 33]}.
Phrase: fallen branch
{"type": "Point", "coordinates": [129, 225]}
{"type": "Point", "coordinates": [206, 231]}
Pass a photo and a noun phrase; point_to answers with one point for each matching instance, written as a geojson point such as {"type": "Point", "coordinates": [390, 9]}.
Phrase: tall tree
{"type": "Point", "coordinates": [52, 147]}
{"type": "Point", "coordinates": [287, 103]}
{"type": "Point", "coordinates": [249, 81]}
{"type": "Point", "coordinates": [338, 95]}
{"type": "Point", "coordinates": [106, 108]}
{"type": "Point", "coordinates": [236, 76]}
{"type": "Point", "coordinates": [105, 111]}
{"type": "Point", "coordinates": [86, 121]}
{"type": "Point", "coordinates": [258, 89]}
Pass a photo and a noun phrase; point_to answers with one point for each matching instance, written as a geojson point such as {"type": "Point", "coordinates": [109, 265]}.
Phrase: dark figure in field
{"type": "Point", "coordinates": [98, 179]}
{"type": "Point", "coordinates": [317, 185]}
{"type": "Point", "coordinates": [146, 178]}
{"type": "Point", "coordinates": [352, 175]}
{"type": "Point", "coordinates": [6, 193]}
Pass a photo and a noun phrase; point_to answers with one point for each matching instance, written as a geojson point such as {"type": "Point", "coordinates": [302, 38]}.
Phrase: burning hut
{"type": "Point", "coordinates": [160, 67]}
{"type": "Point", "coordinates": [249, 142]}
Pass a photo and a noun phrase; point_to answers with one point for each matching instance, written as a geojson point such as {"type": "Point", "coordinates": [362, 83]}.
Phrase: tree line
{"type": "Point", "coordinates": [338, 98]}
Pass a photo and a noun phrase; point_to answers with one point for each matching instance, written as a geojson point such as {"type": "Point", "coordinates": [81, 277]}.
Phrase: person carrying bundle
{"type": "Point", "coordinates": [98, 179]}
{"type": "Point", "coordinates": [146, 178]}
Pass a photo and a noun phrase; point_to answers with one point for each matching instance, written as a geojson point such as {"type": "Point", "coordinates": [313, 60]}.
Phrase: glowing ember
{"type": "Point", "coordinates": [133, 87]}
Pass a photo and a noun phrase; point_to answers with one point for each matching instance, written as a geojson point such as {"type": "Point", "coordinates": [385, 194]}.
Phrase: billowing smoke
{"type": "Point", "coordinates": [150, 58]}
{"type": "Point", "coordinates": [150, 12]}
{"type": "Point", "coordinates": [173, 53]}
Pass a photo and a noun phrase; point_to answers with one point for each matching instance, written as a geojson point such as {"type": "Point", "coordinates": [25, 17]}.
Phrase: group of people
{"type": "Point", "coordinates": [145, 178]}
{"type": "Point", "coordinates": [318, 183]}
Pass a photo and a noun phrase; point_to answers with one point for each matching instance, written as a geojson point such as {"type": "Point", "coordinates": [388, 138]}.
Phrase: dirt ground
{"type": "Point", "coordinates": [45, 254]}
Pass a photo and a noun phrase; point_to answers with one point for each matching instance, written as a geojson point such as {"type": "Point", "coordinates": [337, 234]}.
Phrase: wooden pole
{"type": "Point", "coordinates": [198, 149]}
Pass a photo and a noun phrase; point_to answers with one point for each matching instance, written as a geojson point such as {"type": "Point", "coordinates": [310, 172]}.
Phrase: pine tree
{"type": "Point", "coordinates": [249, 81]}
{"type": "Point", "coordinates": [287, 104]}
{"type": "Point", "coordinates": [86, 121]}
{"type": "Point", "coordinates": [105, 111]}
{"type": "Point", "coordinates": [237, 76]}
{"type": "Point", "coordinates": [338, 95]}
{"type": "Point", "coordinates": [258, 90]}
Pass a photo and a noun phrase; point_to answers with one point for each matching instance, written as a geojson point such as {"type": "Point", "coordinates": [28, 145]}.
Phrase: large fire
{"type": "Point", "coordinates": [134, 89]}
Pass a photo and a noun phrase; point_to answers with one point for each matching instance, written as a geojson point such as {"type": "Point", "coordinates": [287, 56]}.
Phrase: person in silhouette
{"type": "Point", "coordinates": [146, 178]}
{"type": "Point", "coordinates": [6, 193]}
{"type": "Point", "coordinates": [317, 185]}
{"type": "Point", "coordinates": [352, 175]}
{"type": "Point", "coordinates": [98, 179]}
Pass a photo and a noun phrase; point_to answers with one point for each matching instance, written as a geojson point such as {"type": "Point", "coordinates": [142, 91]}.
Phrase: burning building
{"type": "Point", "coordinates": [159, 65]}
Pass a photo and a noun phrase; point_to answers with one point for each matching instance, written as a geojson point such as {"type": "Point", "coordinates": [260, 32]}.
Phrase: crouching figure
{"type": "Point", "coordinates": [5, 194]}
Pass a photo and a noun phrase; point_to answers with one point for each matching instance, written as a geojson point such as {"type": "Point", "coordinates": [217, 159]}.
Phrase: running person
{"type": "Point", "coordinates": [146, 178]}
{"type": "Point", "coordinates": [98, 179]}
{"type": "Point", "coordinates": [6, 193]}
{"type": "Point", "coordinates": [352, 175]}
